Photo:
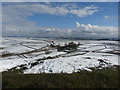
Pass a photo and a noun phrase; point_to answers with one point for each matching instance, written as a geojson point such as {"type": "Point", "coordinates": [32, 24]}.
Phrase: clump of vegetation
{"type": "Point", "coordinates": [87, 57]}
{"type": "Point", "coordinates": [33, 64]}
{"type": "Point", "coordinates": [6, 54]}
{"type": "Point", "coordinates": [48, 52]}
{"type": "Point", "coordinates": [67, 47]}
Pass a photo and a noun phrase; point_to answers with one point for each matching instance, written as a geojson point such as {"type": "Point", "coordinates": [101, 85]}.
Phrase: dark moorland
{"type": "Point", "coordinates": [98, 78]}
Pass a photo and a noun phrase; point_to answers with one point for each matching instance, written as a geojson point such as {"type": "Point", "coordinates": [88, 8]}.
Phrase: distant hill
{"type": "Point", "coordinates": [77, 38]}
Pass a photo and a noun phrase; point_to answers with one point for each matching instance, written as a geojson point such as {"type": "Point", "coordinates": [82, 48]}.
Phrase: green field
{"type": "Point", "coordinates": [98, 78]}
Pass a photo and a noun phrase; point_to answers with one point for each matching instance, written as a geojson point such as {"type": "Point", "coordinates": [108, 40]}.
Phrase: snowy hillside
{"type": "Point", "coordinates": [34, 55]}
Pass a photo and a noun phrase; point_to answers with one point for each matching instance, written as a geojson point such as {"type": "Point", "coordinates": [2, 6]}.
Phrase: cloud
{"type": "Point", "coordinates": [14, 15]}
{"type": "Point", "coordinates": [18, 12]}
{"type": "Point", "coordinates": [106, 17]}
{"type": "Point", "coordinates": [90, 10]}
{"type": "Point", "coordinates": [18, 0]}
{"type": "Point", "coordinates": [77, 24]}
{"type": "Point", "coordinates": [0, 20]}
{"type": "Point", "coordinates": [53, 10]}
{"type": "Point", "coordinates": [83, 31]}
{"type": "Point", "coordinates": [60, 0]}
{"type": "Point", "coordinates": [97, 31]}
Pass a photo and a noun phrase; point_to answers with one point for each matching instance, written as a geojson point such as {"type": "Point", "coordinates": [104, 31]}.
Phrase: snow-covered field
{"type": "Point", "coordinates": [30, 53]}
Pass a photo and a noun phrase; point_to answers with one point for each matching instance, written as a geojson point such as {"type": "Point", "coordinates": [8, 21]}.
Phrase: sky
{"type": "Point", "coordinates": [105, 15]}
{"type": "Point", "coordinates": [60, 19]}
{"type": "Point", "coordinates": [60, 0]}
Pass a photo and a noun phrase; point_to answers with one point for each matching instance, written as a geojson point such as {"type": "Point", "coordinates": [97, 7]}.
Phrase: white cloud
{"type": "Point", "coordinates": [85, 11]}
{"type": "Point", "coordinates": [16, 14]}
{"type": "Point", "coordinates": [83, 31]}
{"type": "Point", "coordinates": [53, 10]}
{"type": "Point", "coordinates": [97, 31]}
{"type": "Point", "coordinates": [77, 24]}
{"type": "Point", "coordinates": [0, 20]}
{"type": "Point", "coordinates": [106, 17]}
